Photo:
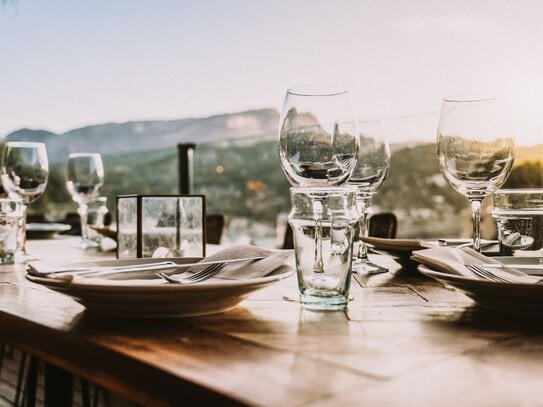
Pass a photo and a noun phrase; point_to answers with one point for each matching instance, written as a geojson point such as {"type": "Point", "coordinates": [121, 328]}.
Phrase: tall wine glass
{"type": "Point", "coordinates": [84, 178]}
{"type": "Point", "coordinates": [370, 172]}
{"type": "Point", "coordinates": [317, 144]}
{"type": "Point", "coordinates": [25, 171]}
{"type": "Point", "coordinates": [475, 147]}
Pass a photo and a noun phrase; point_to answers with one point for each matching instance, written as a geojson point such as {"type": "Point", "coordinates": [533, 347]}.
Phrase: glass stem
{"type": "Point", "coordinates": [318, 266]}
{"type": "Point", "coordinates": [476, 220]}
{"type": "Point", "coordinates": [362, 206]}
{"type": "Point", "coordinates": [21, 238]}
{"type": "Point", "coordinates": [83, 211]}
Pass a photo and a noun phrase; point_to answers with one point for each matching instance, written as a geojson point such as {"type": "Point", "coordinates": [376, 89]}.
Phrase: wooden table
{"type": "Point", "coordinates": [405, 340]}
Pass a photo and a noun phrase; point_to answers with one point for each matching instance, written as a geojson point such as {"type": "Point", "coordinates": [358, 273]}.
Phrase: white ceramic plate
{"type": "Point", "coordinates": [505, 297]}
{"type": "Point", "coordinates": [155, 298]}
{"type": "Point", "coordinates": [45, 230]}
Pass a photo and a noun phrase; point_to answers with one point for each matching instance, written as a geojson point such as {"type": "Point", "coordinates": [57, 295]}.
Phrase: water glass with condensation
{"type": "Point", "coordinates": [323, 221]}
{"type": "Point", "coordinates": [10, 214]}
{"type": "Point", "coordinates": [518, 214]}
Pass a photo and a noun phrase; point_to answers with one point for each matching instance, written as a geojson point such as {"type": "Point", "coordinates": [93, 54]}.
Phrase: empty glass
{"type": "Point", "coordinates": [10, 214]}
{"type": "Point", "coordinates": [318, 142]}
{"type": "Point", "coordinates": [25, 172]}
{"type": "Point", "coordinates": [84, 178]}
{"type": "Point", "coordinates": [325, 287]}
{"type": "Point", "coordinates": [370, 172]}
{"type": "Point", "coordinates": [475, 148]}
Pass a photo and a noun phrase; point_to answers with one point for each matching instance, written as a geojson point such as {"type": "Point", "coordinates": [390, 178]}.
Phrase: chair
{"type": "Point", "coordinates": [380, 225]}
{"type": "Point", "coordinates": [215, 225]}
{"type": "Point", "coordinates": [288, 240]}
{"type": "Point", "coordinates": [383, 225]}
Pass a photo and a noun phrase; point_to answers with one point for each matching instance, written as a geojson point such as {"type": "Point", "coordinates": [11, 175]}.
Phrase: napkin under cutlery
{"type": "Point", "coordinates": [454, 261]}
{"type": "Point", "coordinates": [273, 262]}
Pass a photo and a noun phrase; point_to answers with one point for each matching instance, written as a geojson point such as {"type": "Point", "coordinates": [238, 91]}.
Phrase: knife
{"type": "Point", "coordinates": [513, 266]}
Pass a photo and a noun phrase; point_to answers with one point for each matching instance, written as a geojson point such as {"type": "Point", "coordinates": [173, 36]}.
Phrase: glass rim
{"type": "Point", "coordinates": [75, 155]}
{"type": "Point", "coordinates": [514, 191]}
{"type": "Point", "coordinates": [331, 188]}
{"type": "Point", "coordinates": [472, 97]}
{"type": "Point", "coordinates": [317, 90]}
{"type": "Point", "coordinates": [25, 144]}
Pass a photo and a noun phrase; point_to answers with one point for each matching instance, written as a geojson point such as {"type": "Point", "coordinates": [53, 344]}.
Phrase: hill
{"type": "Point", "coordinates": [237, 168]}
{"type": "Point", "coordinates": [141, 136]}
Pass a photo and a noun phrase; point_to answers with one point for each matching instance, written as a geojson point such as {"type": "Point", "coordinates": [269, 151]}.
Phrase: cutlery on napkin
{"type": "Point", "coordinates": [454, 261]}
{"type": "Point", "coordinates": [417, 244]}
{"type": "Point", "coordinates": [240, 259]}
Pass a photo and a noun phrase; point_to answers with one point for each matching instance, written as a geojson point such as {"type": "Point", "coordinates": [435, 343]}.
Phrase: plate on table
{"type": "Point", "coordinates": [401, 249]}
{"type": "Point", "coordinates": [45, 230]}
{"type": "Point", "coordinates": [154, 297]}
{"type": "Point", "coordinates": [516, 298]}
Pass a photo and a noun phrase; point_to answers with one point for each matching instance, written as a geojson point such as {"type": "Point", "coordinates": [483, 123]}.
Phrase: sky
{"type": "Point", "coordinates": [65, 64]}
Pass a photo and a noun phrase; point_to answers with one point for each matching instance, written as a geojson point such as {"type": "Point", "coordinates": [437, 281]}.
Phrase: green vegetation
{"type": "Point", "coordinates": [243, 179]}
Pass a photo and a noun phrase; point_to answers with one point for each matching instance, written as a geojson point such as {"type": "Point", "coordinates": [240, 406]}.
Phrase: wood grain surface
{"type": "Point", "coordinates": [404, 340]}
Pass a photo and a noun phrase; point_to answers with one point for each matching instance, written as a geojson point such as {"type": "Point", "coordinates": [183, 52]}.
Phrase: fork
{"type": "Point", "coordinates": [201, 275]}
{"type": "Point", "coordinates": [486, 274]}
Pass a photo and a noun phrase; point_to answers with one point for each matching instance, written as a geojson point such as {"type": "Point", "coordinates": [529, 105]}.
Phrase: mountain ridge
{"type": "Point", "coordinates": [148, 135]}
{"type": "Point", "coordinates": [144, 135]}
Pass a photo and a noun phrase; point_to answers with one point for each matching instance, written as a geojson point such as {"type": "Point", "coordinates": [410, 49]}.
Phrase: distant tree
{"type": "Point", "coordinates": [526, 175]}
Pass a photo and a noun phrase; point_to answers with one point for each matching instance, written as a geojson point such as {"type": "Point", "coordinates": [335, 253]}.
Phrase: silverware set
{"type": "Point", "coordinates": [213, 267]}
{"type": "Point", "coordinates": [482, 272]}
{"type": "Point", "coordinates": [204, 274]}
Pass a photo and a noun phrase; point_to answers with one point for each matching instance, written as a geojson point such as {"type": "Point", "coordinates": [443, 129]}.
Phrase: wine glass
{"type": "Point", "coordinates": [25, 171]}
{"type": "Point", "coordinates": [317, 144]}
{"type": "Point", "coordinates": [84, 178]}
{"type": "Point", "coordinates": [370, 172]}
{"type": "Point", "coordinates": [475, 147]}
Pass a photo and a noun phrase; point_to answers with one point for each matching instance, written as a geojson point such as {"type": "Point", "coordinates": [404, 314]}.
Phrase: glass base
{"type": "Point", "coordinates": [87, 244]}
{"type": "Point", "coordinates": [314, 303]}
{"type": "Point", "coordinates": [24, 257]}
{"type": "Point", "coordinates": [366, 267]}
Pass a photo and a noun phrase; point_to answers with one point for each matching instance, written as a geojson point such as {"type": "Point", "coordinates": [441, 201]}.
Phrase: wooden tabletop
{"type": "Point", "coordinates": [404, 340]}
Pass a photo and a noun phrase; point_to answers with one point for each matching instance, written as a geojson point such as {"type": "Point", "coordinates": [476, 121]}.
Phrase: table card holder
{"type": "Point", "coordinates": [174, 224]}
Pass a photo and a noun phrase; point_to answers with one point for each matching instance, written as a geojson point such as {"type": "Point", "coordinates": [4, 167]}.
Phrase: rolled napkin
{"type": "Point", "coordinates": [454, 261]}
{"type": "Point", "coordinates": [273, 262]}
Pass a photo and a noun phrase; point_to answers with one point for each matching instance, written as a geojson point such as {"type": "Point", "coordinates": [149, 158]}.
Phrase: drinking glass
{"type": "Point", "coordinates": [370, 172]}
{"type": "Point", "coordinates": [475, 148]}
{"type": "Point", "coordinates": [84, 178]}
{"type": "Point", "coordinates": [25, 171]}
{"type": "Point", "coordinates": [318, 144]}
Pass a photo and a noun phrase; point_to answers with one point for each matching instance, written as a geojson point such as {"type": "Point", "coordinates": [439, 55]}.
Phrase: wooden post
{"type": "Point", "coordinates": [185, 154]}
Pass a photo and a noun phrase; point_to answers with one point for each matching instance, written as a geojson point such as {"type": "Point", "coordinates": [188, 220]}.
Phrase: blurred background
{"type": "Point", "coordinates": [132, 79]}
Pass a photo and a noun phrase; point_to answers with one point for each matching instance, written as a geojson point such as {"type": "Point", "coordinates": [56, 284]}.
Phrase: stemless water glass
{"type": "Point", "coordinates": [475, 147]}
{"type": "Point", "coordinates": [25, 171]}
{"type": "Point", "coordinates": [318, 143]}
{"type": "Point", "coordinates": [84, 178]}
{"type": "Point", "coordinates": [370, 172]}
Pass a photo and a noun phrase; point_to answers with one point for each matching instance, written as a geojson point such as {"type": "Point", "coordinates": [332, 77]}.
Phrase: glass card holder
{"type": "Point", "coordinates": [174, 224]}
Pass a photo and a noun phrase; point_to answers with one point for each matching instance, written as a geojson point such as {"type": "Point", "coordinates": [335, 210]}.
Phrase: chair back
{"type": "Point", "coordinates": [215, 225]}
{"type": "Point", "coordinates": [383, 225]}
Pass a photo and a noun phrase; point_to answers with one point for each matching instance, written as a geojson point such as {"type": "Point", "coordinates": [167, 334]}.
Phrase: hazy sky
{"type": "Point", "coordinates": [66, 63]}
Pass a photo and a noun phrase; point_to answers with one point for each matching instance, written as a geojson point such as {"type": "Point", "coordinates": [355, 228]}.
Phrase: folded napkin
{"type": "Point", "coordinates": [397, 244]}
{"type": "Point", "coordinates": [274, 262]}
{"type": "Point", "coordinates": [453, 261]}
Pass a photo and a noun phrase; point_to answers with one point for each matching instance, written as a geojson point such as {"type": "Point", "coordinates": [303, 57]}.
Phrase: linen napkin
{"type": "Point", "coordinates": [454, 261]}
{"type": "Point", "coordinates": [274, 262]}
{"type": "Point", "coordinates": [397, 244]}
